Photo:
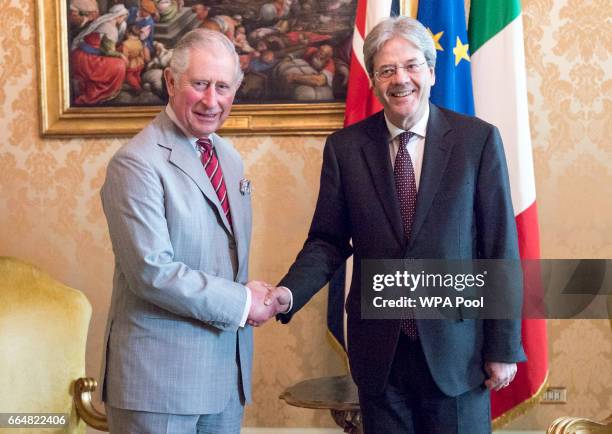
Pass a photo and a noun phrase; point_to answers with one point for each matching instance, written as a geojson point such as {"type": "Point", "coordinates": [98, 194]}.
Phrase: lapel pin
{"type": "Point", "coordinates": [245, 186]}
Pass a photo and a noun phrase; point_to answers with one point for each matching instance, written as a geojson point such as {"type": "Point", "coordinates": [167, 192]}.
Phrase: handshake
{"type": "Point", "coordinates": [266, 301]}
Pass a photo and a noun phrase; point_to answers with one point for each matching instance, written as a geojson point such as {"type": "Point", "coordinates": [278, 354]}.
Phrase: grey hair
{"type": "Point", "coordinates": [404, 27]}
{"type": "Point", "coordinates": [202, 39]}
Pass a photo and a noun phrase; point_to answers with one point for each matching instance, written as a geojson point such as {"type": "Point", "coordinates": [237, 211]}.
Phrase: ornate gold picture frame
{"type": "Point", "coordinates": [58, 118]}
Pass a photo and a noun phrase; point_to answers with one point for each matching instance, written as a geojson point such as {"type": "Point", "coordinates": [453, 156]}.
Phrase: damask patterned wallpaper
{"type": "Point", "coordinates": [50, 212]}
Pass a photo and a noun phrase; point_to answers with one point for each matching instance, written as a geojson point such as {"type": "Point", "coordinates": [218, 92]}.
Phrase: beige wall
{"type": "Point", "coordinates": [50, 212]}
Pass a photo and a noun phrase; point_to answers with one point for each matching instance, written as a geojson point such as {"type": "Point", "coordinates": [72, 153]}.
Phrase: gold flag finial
{"type": "Point", "coordinates": [409, 8]}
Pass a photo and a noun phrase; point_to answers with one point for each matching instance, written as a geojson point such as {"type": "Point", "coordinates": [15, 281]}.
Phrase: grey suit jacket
{"type": "Point", "coordinates": [173, 332]}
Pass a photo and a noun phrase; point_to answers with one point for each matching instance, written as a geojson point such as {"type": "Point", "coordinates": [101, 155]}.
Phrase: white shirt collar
{"type": "Point", "coordinates": [419, 128]}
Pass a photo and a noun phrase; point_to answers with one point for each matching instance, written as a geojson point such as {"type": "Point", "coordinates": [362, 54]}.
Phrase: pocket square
{"type": "Point", "coordinates": [245, 186]}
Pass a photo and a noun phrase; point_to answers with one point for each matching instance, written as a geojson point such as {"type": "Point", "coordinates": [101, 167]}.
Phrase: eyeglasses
{"type": "Point", "coordinates": [384, 73]}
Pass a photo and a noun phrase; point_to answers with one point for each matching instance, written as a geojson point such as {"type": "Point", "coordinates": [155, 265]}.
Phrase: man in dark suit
{"type": "Point", "coordinates": [413, 181]}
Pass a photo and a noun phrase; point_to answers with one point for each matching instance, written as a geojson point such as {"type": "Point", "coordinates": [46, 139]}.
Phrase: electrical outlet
{"type": "Point", "coordinates": [554, 395]}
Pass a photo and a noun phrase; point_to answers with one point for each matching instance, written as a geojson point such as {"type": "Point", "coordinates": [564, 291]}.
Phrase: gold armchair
{"type": "Point", "coordinates": [579, 425]}
{"type": "Point", "coordinates": [43, 334]}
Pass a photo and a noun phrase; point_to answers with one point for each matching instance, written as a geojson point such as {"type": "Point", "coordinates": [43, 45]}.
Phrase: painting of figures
{"type": "Point", "coordinates": [291, 51]}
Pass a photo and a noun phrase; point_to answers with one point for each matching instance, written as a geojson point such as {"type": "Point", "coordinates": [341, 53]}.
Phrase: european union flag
{"type": "Point", "coordinates": [445, 19]}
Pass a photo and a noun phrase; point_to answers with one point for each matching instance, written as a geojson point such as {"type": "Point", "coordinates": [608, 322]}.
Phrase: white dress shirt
{"type": "Point", "coordinates": [415, 146]}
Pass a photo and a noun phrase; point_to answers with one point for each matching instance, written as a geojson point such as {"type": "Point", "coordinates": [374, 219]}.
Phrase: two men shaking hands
{"type": "Point", "coordinates": [267, 301]}
{"type": "Point", "coordinates": [412, 181]}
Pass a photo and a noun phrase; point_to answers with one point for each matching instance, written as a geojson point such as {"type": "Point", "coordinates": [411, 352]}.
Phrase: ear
{"type": "Point", "coordinates": [170, 81]}
{"type": "Point", "coordinates": [433, 75]}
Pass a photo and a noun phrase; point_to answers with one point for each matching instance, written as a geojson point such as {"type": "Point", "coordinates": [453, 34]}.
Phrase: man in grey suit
{"type": "Point", "coordinates": [413, 181]}
{"type": "Point", "coordinates": [177, 354]}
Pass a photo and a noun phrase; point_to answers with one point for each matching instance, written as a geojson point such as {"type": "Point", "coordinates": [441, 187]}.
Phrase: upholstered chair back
{"type": "Point", "coordinates": [43, 334]}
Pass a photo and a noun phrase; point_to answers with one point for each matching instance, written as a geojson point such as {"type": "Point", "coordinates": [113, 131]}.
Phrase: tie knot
{"type": "Point", "coordinates": [204, 144]}
{"type": "Point", "coordinates": [405, 137]}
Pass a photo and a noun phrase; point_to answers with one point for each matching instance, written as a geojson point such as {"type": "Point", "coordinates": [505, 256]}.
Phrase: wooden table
{"type": "Point", "coordinates": [336, 394]}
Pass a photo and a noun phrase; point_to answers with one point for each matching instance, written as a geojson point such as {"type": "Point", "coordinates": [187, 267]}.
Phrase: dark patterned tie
{"type": "Point", "coordinates": [215, 174]}
{"type": "Point", "coordinates": [405, 185]}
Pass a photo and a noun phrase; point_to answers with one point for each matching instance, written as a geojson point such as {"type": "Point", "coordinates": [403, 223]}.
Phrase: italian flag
{"type": "Point", "coordinates": [500, 97]}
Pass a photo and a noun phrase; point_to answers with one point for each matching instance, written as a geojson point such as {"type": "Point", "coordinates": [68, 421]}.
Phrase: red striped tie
{"type": "Point", "coordinates": [215, 174]}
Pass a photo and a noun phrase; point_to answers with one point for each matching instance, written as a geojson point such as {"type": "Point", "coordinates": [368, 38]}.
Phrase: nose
{"type": "Point", "coordinates": [401, 75]}
{"type": "Point", "coordinates": [209, 97]}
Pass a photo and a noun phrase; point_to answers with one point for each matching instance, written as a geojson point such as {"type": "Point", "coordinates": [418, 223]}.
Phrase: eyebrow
{"type": "Point", "coordinates": [413, 59]}
{"type": "Point", "coordinates": [208, 80]}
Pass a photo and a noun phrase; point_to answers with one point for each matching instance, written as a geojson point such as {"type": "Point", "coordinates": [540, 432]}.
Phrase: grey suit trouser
{"type": "Point", "coordinates": [121, 421]}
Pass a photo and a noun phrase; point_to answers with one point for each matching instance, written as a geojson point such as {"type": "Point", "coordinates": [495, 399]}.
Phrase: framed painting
{"type": "Point", "coordinates": [101, 62]}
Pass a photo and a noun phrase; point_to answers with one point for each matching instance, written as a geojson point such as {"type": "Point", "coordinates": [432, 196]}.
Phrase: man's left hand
{"type": "Point", "coordinates": [500, 374]}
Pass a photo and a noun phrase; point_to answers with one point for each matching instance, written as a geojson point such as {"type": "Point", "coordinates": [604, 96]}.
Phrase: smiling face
{"type": "Point", "coordinates": [405, 95]}
{"type": "Point", "coordinates": [202, 95]}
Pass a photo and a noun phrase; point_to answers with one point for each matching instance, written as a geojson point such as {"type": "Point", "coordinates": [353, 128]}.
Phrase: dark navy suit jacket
{"type": "Point", "coordinates": [463, 211]}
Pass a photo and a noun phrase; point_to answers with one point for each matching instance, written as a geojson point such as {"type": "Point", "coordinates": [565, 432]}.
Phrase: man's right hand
{"type": "Point", "coordinates": [261, 312]}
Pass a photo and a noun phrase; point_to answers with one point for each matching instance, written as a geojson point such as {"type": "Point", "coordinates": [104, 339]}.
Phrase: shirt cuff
{"type": "Point", "coordinates": [290, 302]}
{"type": "Point", "coordinates": [247, 307]}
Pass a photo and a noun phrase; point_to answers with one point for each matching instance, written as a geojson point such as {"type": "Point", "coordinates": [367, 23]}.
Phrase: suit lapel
{"type": "Point", "coordinates": [183, 156]}
{"type": "Point", "coordinates": [435, 160]}
{"type": "Point", "coordinates": [232, 172]}
{"type": "Point", "coordinates": [376, 154]}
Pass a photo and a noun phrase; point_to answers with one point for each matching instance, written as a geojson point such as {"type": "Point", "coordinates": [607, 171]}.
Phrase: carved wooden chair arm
{"type": "Point", "coordinates": [579, 425]}
{"type": "Point", "coordinates": [83, 387]}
